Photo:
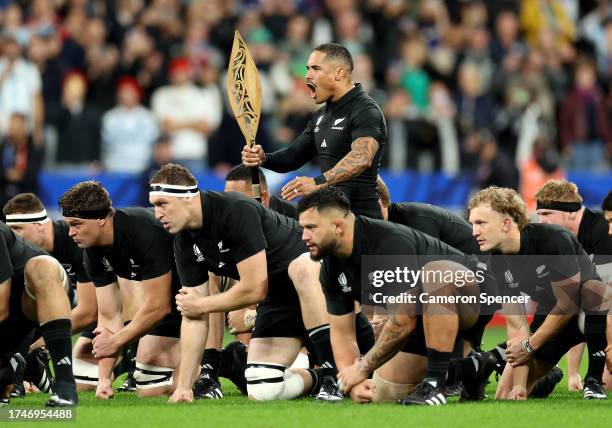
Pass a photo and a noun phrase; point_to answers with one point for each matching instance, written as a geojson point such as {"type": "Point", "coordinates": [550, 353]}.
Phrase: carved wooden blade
{"type": "Point", "coordinates": [244, 89]}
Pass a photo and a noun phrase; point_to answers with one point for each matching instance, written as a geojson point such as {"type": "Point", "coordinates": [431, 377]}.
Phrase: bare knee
{"type": "Point", "coordinates": [303, 270]}
{"type": "Point", "coordinates": [37, 272]}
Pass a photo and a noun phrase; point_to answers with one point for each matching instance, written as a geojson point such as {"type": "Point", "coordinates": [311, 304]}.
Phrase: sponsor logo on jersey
{"type": "Point", "coordinates": [324, 143]}
{"type": "Point", "coordinates": [198, 253]}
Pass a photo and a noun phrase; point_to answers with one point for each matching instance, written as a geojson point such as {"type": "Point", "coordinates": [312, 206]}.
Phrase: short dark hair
{"type": "Point", "coordinates": [173, 173]}
{"type": "Point", "coordinates": [23, 203]}
{"type": "Point", "coordinates": [86, 196]}
{"type": "Point", "coordinates": [337, 52]}
{"type": "Point", "coordinates": [606, 205]}
{"type": "Point", "coordinates": [241, 172]}
{"type": "Point", "coordinates": [326, 198]}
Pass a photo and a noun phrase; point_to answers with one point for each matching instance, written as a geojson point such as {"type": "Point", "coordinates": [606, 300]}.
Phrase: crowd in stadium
{"type": "Point", "coordinates": [495, 87]}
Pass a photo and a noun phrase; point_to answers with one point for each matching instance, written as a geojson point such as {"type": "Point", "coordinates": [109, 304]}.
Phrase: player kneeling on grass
{"type": "Point", "coordinates": [231, 235]}
{"type": "Point", "coordinates": [547, 263]}
{"type": "Point", "coordinates": [27, 217]}
{"type": "Point", "coordinates": [33, 288]}
{"type": "Point", "coordinates": [128, 243]}
{"type": "Point", "coordinates": [341, 239]}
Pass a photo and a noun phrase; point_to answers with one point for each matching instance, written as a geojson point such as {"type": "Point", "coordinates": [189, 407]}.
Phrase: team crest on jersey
{"type": "Point", "coordinates": [198, 253]}
{"type": "Point", "coordinates": [106, 264]}
{"type": "Point", "coordinates": [338, 122]}
{"type": "Point", "coordinates": [510, 279]}
{"type": "Point", "coordinates": [344, 283]}
{"type": "Point", "coordinates": [221, 249]}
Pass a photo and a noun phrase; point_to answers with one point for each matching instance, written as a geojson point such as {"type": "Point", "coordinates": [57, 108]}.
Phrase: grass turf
{"type": "Point", "coordinates": [561, 409]}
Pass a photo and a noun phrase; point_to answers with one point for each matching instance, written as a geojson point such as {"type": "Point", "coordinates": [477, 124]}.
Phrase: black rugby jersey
{"type": "Point", "coordinates": [68, 253]}
{"type": "Point", "coordinates": [341, 279]}
{"type": "Point", "coordinates": [594, 238]}
{"type": "Point", "coordinates": [283, 207]}
{"type": "Point", "coordinates": [560, 257]}
{"type": "Point", "coordinates": [328, 137]}
{"type": "Point", "coordinates": [14, 253]}
{"type": "Point", "coordinates": [141, 250]}
{"type": "Point", "coordinates": [437, 222]}
{"type": "Point", "coordinates": [235, 227]}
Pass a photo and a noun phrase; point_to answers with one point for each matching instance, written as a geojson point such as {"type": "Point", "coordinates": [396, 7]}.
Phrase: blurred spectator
{"type": "Point", "coordinates": [78, 125]}
{"type": "Point", "coordinates": [506, 37]}
{"type": "Point", "coordinates": [585, 121]}
{"type": "Point", "coordinates": [495, 167]}
{"type": "Point", "coordinates": [593, 26]}
{"type": "Point", "coordinates": [551, 15]}
{"type": "Point", "coordinates": [21, 159]}
{"type": "Point", "coordinates": [162, 154]}
{"type": "Point", "coordinates": [474, 105]}
{"type": "Point", "coordinates": [20, 89]}
{"type": "Point", "coordinates": [128, 131]}
{"type": "Point", "coordinates": [14, 26]}
{"type": "Point", "coordinates": [413, 77]}
{"type": "Point", "coordinates": [188, 114]}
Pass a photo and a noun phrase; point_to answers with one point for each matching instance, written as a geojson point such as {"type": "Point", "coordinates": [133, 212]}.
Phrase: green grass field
{"type": "Point", "coordinates": [125, 410]}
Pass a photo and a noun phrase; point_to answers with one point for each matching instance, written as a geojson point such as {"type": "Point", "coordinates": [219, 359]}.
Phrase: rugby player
{"type": "Point", "coordinates": [561, 283]}
{"type": "Point", "coordinates": [559, 202]}
{"type": "Point", "coordinates": [346, 136]}
{"type": "Point", "coordinates": [128, 243]}
{"type": "Point", "coordinates": [231, 235]}
{"type": "Point", "coordinates": [340, 238]}
{"type": "Point", "coordinates": [34, 289]}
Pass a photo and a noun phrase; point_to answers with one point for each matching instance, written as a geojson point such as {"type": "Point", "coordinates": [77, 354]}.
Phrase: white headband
{"type": "Point", "coordinates": [39, 217]}
{"type": "Point", "coordinates": [176, 190]}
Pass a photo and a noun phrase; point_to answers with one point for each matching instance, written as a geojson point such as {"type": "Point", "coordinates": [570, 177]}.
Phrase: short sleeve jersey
{"type": "Point", "coordinates": [560, 257]}
{"type": "Point", "coordinates": [141, 250]}
{"type": "Point", "coordinates": [594, 238]}
{"type": "Point", "coordinates": [235, 228]}
{"type": "Point", "coordinates": [341, 277]}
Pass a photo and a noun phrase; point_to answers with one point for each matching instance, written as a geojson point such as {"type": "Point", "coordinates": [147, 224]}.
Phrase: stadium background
{"type": "Point", "coordinates": [474, 92]}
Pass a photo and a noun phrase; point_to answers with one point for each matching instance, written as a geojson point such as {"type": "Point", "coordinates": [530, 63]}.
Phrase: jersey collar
{"type": "Point", "coordinates": [207, 214]}
{"type": "Point", "coordinates": [346, 98]}
{"type": "Point", "coordinates": [357, 241]}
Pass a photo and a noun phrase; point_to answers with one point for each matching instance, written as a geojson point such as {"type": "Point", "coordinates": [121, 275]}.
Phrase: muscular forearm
{"type": "Point", "coordinates": [147, 316]}
{"type": "Point", "coordinates": [292, 157]}
{"type": "Point", "coordinates": [519, 375]}
{"type": "Point", "coordinates": [345, 349]}
{"type": "Point", "coordinates": [193, 339]}
{"type": "Point", "coordinates": [114, 323]}
{"type": "Point", "coordinates": [389, 343]}
{"type": "Point", "coordinates": [81, 318]}
{"type": "Point", "coordinates": [354, 163]}
{"type": "Point", "coordinates": [240, 296]}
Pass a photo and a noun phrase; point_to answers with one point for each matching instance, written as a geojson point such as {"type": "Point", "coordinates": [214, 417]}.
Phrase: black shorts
{"type": "Point", "coordinates": [168, 326]}
{"type": "Point", "coordinates": [553, 350]}
{"type": "Point", "coordinates": [415, 343]}
{"type": "Point", "coordinates": [279, 315]}
{"type": "Point", "coordinates": [17, 326]}
{"type": "Point", "coordinates": [474, 334]}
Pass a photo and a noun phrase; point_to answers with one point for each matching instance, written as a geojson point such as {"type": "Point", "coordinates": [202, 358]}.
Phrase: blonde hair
{"type": "Point", "coordinates": [558, 191]}
{"type": "Point", "coordinates": [504, 201]}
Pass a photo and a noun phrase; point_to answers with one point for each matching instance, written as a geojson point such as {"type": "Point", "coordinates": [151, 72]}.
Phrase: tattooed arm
{"type": "Point", "coordinates": [356, 161]}
{"type": "Point", "coordinates": [391, 340]}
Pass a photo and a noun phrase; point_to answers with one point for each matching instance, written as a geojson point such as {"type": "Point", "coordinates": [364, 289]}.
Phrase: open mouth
{"type": "Point", "coordinates": [312, 88]}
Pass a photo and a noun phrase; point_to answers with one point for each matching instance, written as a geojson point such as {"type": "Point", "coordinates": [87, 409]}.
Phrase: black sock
{"type": "Point", "coordinates": [57, 334]}
{"type": "Point", "coordinates": [317, 378]}
{"type": "Point", "coordinates": [595, 334]}
{"type": "Point", "coordinates": [462, 369]}
{"type": "Point", "coordinates": [437, 364]}
{"type": "Point", "coordinates": [319, 338]}
{"type": "Point", "coordinates": [500, 356]}
{"type": "Point", "coordinates": [211, 361]}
